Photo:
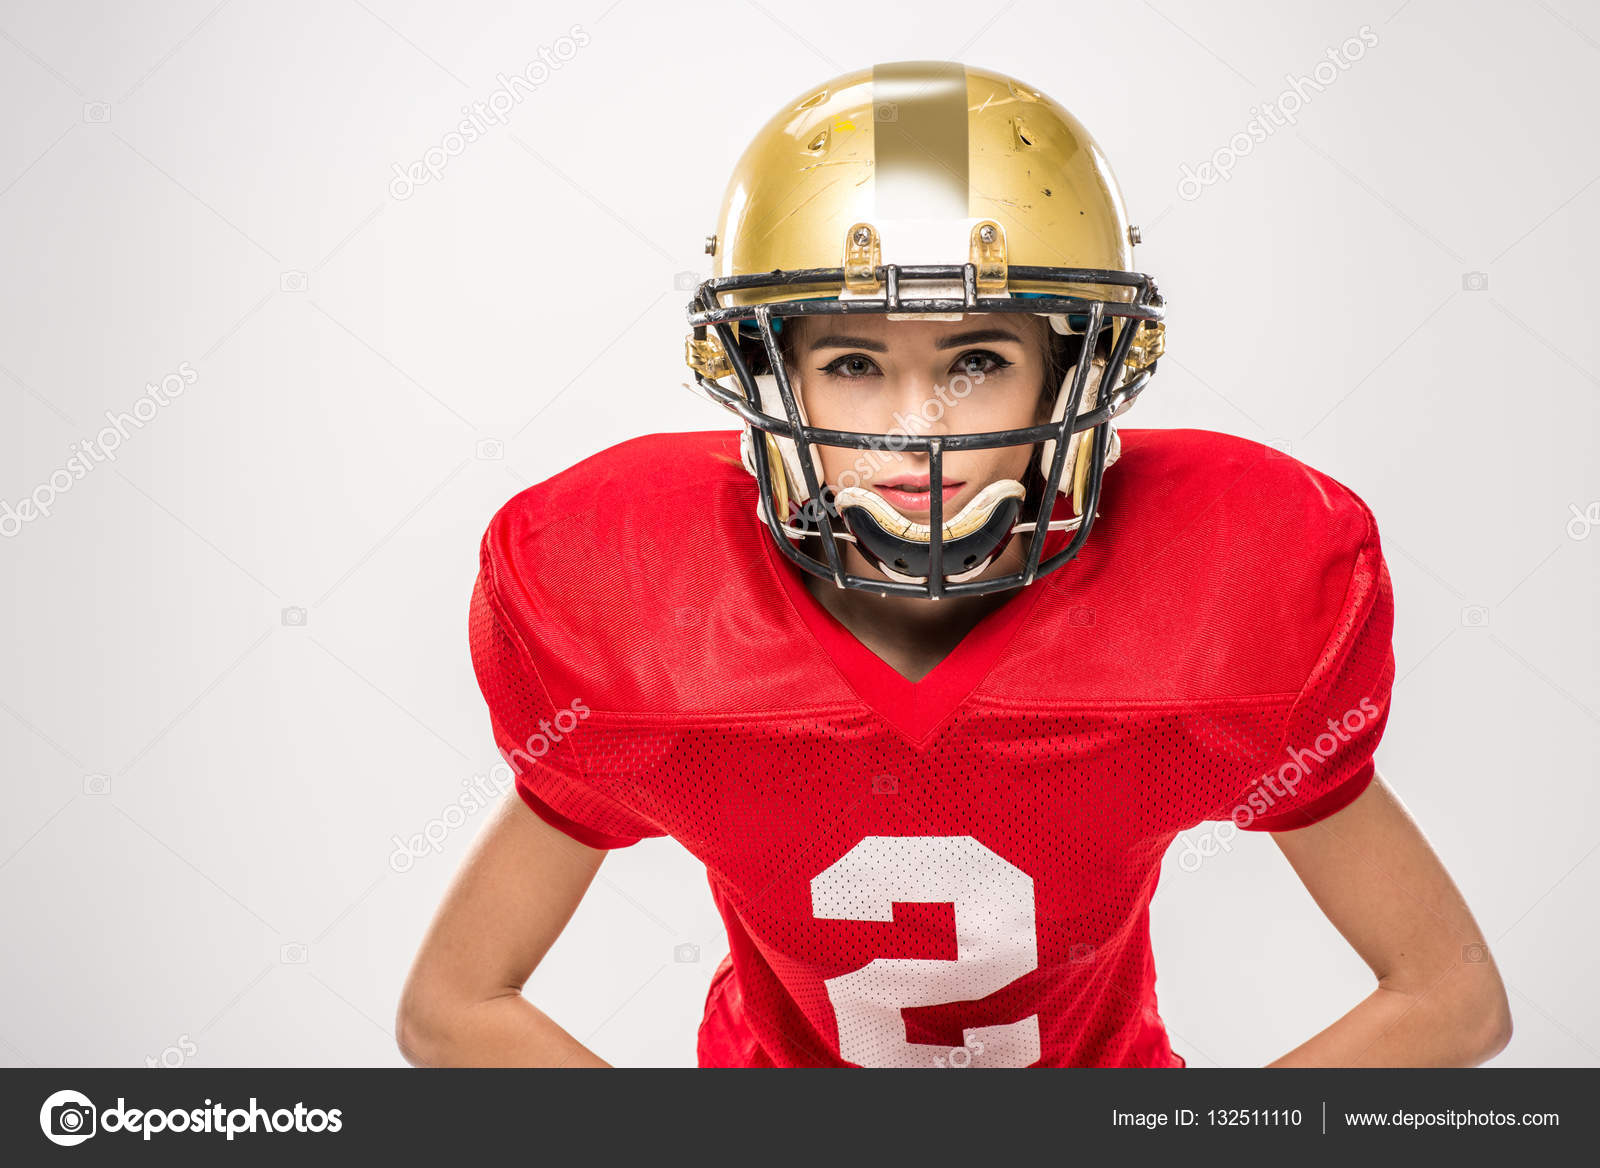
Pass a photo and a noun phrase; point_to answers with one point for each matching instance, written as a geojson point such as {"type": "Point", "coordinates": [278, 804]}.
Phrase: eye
{"type": "Point", "coordinates": [849, 366]}
{"type": "Point", "coordinates": [972, 363]}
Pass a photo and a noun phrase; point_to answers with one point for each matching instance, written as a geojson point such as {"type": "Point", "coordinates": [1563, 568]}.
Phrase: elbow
{"type": "Point", "coordinates": [408, 1036]}
{"type": "Point", "coordinates": [420, 1031]}
{"type": "Point", "coordinates": [1464, 1028]}
{"type": "Point", "coordinates": [1495, 1027]}
{"type": "Point", "coordinates": [1484, 1018]}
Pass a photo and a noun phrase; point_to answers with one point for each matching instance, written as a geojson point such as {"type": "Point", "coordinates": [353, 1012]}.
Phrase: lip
{"type": "Point", "coordinates": [917, 499]}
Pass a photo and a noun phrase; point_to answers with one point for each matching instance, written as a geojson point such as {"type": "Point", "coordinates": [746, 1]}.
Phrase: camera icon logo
{"type": "Point", "coordinates": [1080, 952]}
{"type": "Point", "coordinates": [96, 112]}
{"type": "Point", "coordinates": [67, 1118]}
{"type": "Point", "coordinates": [293, 953]}
{"type": "Point", "coordinates": [97, 784]}
{"type": "Point", "coordinates": [294, 282]}
{"type": "Point", "coordinates": [686, 954]}
{"type": "Point", "coordinates": [685, 281]}
{"type": "Point", "coordinates": [1474, 953]}
{"type": "Point", "coordinates": [1475, 616]}
{"type": "Point", "coordinates": [885, 785]}
{"type": "Point", "coordinates": [294, 617]}
{"type": "Point", "coordinates": [1081, 617]}
{"type": "Point", "coordinates": [885, 111]}
{"type": "Point", "coordinates": [1475, 281]}
{"type": "Point", "coordinates": [490, 450]}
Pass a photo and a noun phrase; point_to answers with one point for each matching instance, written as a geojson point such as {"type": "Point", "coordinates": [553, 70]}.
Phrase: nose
{"type": "Point", "coordinates": [920, 409]}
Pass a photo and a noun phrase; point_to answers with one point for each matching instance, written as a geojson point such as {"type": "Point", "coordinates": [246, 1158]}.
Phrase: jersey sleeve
{"type": "Point", "coordinates": [539, 738]}
{"type": "Point", "coordinates": [1324, 759]}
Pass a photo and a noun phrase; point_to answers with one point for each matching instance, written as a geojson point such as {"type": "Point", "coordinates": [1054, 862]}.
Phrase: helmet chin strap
{"type": "Point", "coordinates": [902, 548]}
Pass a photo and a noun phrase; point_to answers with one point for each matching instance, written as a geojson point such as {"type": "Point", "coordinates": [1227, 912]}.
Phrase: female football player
{"type": "Point", "coordinates": [863, 657]}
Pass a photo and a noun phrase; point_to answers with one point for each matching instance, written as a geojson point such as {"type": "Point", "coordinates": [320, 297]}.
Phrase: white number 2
{"type": "Point", "coordinates": [996, 943]}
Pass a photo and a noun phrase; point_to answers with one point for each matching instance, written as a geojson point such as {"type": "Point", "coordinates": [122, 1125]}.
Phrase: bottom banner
{"type": "Point", "coordinates": [317, 1115]}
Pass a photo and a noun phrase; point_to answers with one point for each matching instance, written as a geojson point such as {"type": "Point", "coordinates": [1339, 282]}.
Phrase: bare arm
{"type": "Point", "coordinates": [462, 1004]}
{"type": "Point", "coordinates": [1439, 1000]}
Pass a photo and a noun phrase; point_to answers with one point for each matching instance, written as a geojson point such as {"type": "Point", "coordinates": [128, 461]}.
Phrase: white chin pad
{"type": "Point", "coordinates": [971, 517]}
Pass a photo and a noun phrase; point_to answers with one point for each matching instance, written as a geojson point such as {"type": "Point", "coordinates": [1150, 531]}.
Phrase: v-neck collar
{"type": "Point", "coordinates": [914, 708]}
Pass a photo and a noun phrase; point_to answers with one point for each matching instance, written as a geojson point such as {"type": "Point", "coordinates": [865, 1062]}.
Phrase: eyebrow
{"type": "Point", "coordinates": [971, 337]}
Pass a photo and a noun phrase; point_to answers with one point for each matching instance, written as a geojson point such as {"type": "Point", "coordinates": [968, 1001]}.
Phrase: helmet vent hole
{"type": "Point", "coordinates": [902, 565]}
{"type": "Point", "coordinates": [969, 561]}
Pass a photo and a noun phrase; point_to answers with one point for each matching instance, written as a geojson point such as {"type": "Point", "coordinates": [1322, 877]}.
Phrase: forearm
{"type": "Point", "coordinates": [1393, 1028]}
{"type": "Point", "coordinates": [505, 1031]}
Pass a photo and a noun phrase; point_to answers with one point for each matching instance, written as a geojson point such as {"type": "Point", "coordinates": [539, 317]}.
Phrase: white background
{"type": "Point", "coordinates": [166, 169]}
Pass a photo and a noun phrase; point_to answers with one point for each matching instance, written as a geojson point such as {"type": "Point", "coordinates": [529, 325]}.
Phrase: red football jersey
{"type": "Point", "coordinates": [956, 871]}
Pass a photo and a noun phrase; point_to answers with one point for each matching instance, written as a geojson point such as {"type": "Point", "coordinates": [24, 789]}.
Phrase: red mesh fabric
{"type": "Point", "coordinates": [1325, 758]}
{"type": "Point", "coordinates": [536, 738]}
{"type": "Point", "coordinates": [957, 871]}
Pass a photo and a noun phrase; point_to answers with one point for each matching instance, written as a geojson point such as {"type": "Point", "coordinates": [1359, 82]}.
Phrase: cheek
{"type": "Point", "coordinates": [1013, 407]}
{"type": "Point", "coordinates": [1003, 462]}
{"type": "Point", "coordinates": [831, 407]}
{"type": "Point", "coordinates": [843, 468]}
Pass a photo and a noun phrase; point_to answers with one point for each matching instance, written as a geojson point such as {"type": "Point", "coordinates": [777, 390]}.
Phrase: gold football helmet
{"type": "Point", "coordinates": [925, 189]}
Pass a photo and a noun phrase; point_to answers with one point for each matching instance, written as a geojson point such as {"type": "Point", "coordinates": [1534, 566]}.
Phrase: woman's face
{"type": "Point", "coordinates": [912, 377]}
